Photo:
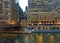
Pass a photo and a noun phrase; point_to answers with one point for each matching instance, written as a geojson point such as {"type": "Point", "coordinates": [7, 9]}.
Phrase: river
{"type": "Point", "coordinates": [32, 38]}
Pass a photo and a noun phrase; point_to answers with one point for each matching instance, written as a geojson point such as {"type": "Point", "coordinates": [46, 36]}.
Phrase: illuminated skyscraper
{"type": "Point", "coordinates": [10, 11]}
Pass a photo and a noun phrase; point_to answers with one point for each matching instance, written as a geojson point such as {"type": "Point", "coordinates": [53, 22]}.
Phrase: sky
{"type": "Point", "coordinates": [23, 4]}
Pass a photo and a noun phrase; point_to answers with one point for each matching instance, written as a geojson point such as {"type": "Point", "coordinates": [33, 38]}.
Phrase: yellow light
{"type": "Point", "coordinates": [40, 38]}
{"type": "Point", "coordinates": [11, 22]}
{"type": "Point", "coordinates": [58, 22]}
{"type": "Point", "coordinates": [51, 39]}
{"type": "Point", "coordinates": [40, 23]}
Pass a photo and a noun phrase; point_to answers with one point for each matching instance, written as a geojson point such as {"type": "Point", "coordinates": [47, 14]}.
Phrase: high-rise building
{"type": "Point", "coordinates": [21, 13]}
{"type": "Point", "coordinates": [42, 7]}
{"type": "Point", "coordinates": [10, 11]}
{"type": "Point", "coordinates": [43, 12]}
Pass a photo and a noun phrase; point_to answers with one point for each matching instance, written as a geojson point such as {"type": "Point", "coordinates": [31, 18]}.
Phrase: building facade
{"type": "Point", "coordinates": [1, 6]}
{"type": "Point", "coordinates": [10, 11]}
{"type": "Point", "coordinates": [44, 13]}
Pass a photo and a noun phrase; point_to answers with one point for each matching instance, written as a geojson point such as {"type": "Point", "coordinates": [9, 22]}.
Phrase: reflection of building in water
{"type": "Point", "coordinates": [40, 38]}
{"type": "Point", "coordinates": [51, 39]}
{"type": "Point", "coordinates": [43, 13]}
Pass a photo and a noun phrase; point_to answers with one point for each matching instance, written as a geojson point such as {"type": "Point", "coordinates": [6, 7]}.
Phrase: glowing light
{"type": "Point", "coordinates": [40, 38]}
{"type": "Point", "coordinates": [40, 23]}
{"type": "Point", "coordinates": [51, 39]}
{"type": "Point", "coordinates": [11, 22]}
{"type": "Point", "coordinates": [58, 22]}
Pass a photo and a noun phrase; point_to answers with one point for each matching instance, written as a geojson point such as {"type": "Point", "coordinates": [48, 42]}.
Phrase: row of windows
{"type": "Point", "coordinates": [43, 22]}
{"type": "Point", "coordinates": [47, 5]}
{"type": "Point", "coordinates": [46, 28]}
{"type": "Point", "coordinates": [47, 10]}
{"type": "Point", "coordinates": [45, 0]}
{"type": "Point", "coordinates": [50, 28]}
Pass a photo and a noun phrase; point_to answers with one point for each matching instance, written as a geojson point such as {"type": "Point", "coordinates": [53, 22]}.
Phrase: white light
{"type": "Point", "coordinates": [23, 4]}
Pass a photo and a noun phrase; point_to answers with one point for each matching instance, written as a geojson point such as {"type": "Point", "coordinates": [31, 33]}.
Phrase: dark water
{"type": "Point", "coordinates": [34, 38]}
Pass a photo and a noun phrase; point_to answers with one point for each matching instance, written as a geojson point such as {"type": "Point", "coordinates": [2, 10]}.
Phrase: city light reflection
{"type": "Point", "coordinates": [51, 39]}
{"type": "Point", "coordinates": [40, 38]}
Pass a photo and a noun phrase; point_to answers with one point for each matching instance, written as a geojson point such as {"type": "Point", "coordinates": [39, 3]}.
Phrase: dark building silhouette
{"type": "Point", "coordinates": [21, 13]}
